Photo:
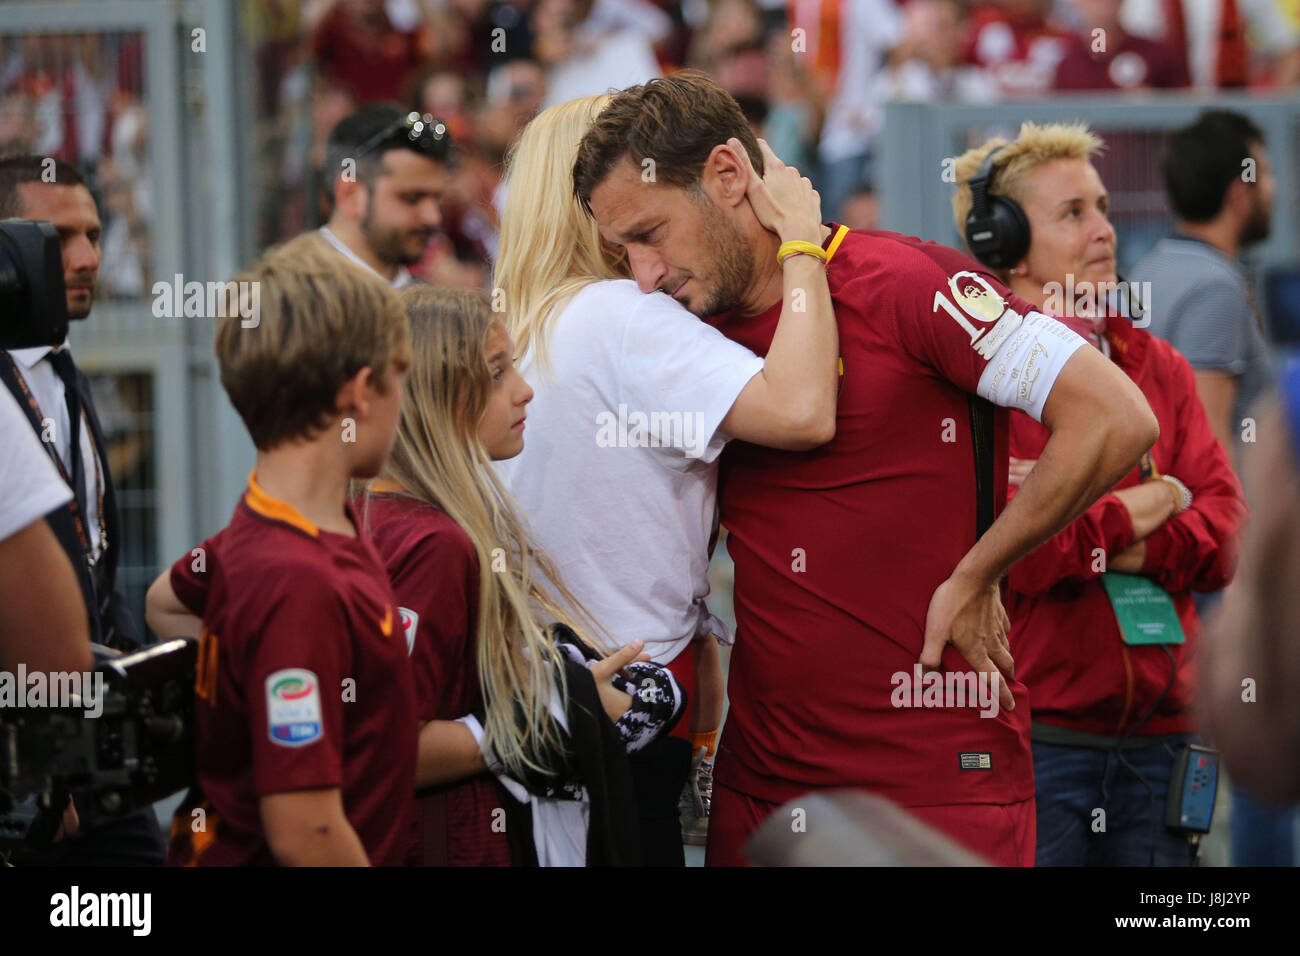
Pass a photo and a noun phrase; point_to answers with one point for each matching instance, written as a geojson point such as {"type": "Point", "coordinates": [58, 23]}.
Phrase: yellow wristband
{"type": "Point", "coordinates": [797, 247]}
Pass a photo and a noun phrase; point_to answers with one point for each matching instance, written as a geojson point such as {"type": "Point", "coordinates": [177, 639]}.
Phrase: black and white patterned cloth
{"type": "Point", "coordinates": [657, 698]}
{"type": "Point", "coordinates": [583, 810]}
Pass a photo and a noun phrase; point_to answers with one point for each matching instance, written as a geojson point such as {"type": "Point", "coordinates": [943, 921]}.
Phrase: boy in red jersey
{"type": "Point", "coordinates": [306, 724]}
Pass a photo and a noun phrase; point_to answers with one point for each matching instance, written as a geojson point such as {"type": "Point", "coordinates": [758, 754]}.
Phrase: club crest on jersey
{"type": "Point", "coordinates": [976, 297]}
{"type": "Point", "coordinates": [293, 712]}
{"type": "Point", "coordinates": [410, 621]}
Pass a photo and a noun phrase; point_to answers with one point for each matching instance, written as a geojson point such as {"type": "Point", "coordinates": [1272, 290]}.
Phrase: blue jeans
{"type": "Point", "coordinates": [1074, 783]}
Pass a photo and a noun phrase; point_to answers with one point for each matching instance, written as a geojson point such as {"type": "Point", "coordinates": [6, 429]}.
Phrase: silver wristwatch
{"type": "Point", "coordinates": [1183, 491]}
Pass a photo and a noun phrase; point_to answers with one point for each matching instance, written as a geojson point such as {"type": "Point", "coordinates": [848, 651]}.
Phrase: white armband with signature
{"type": "Point", "coordinates": [1021, 373]}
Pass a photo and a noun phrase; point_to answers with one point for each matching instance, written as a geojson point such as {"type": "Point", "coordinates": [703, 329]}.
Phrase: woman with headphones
{"type": "Point", "coordinates": [1103, 625]}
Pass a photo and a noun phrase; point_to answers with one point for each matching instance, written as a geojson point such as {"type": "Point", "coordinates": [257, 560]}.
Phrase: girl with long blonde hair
{"type": "Point", "coordinates": [635, 399]}
{"type": "Point", "coordinates": [493, 684]}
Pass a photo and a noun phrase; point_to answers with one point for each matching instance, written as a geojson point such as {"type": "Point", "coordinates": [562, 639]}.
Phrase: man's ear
{"type": "Point", "coordinates": [725, 176]}
{"type": "Point", "coordinates": [350, 198]}
{"type": "Point", "coordinates": [1238, 198]}
{"type": "Point", "coordinates": [354, 394]}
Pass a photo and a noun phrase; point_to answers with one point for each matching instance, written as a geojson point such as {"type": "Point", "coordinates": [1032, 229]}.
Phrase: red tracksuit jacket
{"type": "Point", "coordinates": [1066, 643]}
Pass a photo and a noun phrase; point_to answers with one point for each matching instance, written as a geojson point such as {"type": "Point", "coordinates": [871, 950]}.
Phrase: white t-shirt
{"type": "Point", "coordinates": [30, 485]}
{"type": "Point", "coordinates": [619, 468]}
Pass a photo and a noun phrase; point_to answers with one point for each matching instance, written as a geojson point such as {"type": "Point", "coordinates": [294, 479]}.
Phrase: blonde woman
{"type": "Point", "coordinates": [494, 691]}
{"type": "Point", "coordinates": [635, 399]}
{"type": "Point", "coordinates": [1112, 709]}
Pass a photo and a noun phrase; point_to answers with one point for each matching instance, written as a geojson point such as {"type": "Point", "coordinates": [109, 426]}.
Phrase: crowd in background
{"type": "Point", "coordinates": [812, 76]}
{"type": "Point", "coordinates": [80, 99]}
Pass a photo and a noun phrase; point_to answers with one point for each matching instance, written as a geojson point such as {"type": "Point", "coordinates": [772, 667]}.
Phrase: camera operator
{"type": "Point", "coordinates": [41, 621]}
{"type": "Point", "coordinates": [42, 625]}
{"type": "Point", "coordinates": [54, 396]}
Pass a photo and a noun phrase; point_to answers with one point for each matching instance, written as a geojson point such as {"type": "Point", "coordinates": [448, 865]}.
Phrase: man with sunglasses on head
{"type": "Point", "coordinates": [385, 173]}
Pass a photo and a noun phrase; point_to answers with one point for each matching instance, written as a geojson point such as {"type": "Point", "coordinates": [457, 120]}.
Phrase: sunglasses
{"type": "Point", "coordinates": [424, 133]}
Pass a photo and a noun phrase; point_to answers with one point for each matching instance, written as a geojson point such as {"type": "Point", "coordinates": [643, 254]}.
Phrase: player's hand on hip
{"type": "Point", "coordinates": [784, 202]}
{"type": "Point", "coordinates": [615, 701]}
{"type": "Point", "coordinates": [969, 615]}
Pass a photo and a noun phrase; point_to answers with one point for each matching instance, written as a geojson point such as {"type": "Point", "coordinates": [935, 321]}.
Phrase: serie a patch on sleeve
{"type": "Point", "coordinates": [977, 760]}
{"type": "Point", "coordinates": [293, 713]}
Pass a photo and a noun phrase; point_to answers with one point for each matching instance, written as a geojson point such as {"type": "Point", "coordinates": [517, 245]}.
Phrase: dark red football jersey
{"type": "Point", "coordinates": [302, 684]}
{"type": "Point", "coordinates": [1127, 62]}
{"type": "Point", "coordinates": [435, 573]}
{"type": "Point", "coordinates": [838, 550]}
{"type": "Point", "coordinates": [1019, 51]}
{"type": "Point", "coordinates": [371, 69]}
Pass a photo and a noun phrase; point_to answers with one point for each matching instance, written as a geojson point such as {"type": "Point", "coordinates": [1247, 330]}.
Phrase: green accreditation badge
{"type": "Point", "coordinates": [1144, 611]}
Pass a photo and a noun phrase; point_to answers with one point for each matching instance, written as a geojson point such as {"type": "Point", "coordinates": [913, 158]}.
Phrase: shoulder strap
{"type": "Point", "coordinates": [108, 508]}
{"type": "Point", "coordinates": [981, 429]}
{"type": "Point", "coordinates": [9, 373]}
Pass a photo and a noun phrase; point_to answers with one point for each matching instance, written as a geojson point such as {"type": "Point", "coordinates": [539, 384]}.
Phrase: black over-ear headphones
{"type": "Point", "coordinates": [997, 231]}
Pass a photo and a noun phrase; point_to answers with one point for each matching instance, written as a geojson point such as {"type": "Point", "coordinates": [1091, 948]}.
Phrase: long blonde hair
{"type": "Point", "coordinates": [550, 247]}
{"type": "Point", "coordinates": [438, 459]}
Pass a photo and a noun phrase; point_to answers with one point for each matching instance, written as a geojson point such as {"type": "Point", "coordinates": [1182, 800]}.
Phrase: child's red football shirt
{"type": "Point", "coordinates": [435, 574]}
{"type": "Point", "coordinates": [302, 683]}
